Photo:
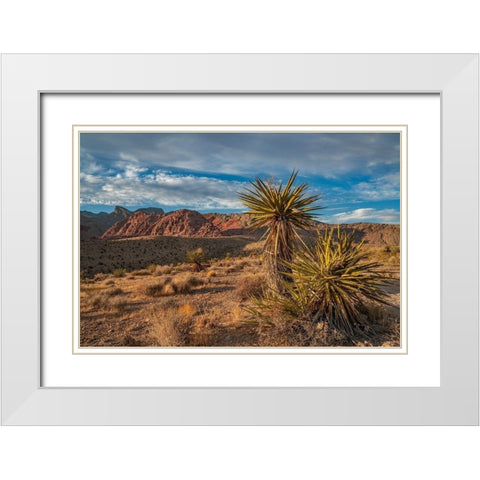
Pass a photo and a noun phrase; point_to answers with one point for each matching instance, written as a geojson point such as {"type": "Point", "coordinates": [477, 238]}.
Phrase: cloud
{"type": "Point", "coordinates": [385, 187]}
{"type": "Point", "coordinates": [330, 155]}
{"type": "Point", "coordinates": [135, 187]}
{"type": "Point", "coordinates": [206, 171]}
{"type": "Point", "coordinates": [365, 215]}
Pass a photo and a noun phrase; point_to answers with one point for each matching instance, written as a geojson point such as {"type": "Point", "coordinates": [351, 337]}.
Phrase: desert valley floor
{"type": "Point", "coordinates": [140, 292]}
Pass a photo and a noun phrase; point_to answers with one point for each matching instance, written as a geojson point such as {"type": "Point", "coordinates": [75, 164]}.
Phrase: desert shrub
{"type": "Point", "coordinates": [171, 329]}
{"type": "Point", "coordinates": [188, 309]}
{"type": "Point", "coordinates": [99, 302]}
{"type": "Point", "coordinates": [151, 268]}
{"type": "Point", "coordinates": [332, 282]}
{"type": "Point", "coordinates": [118, 304]}
{"type": "Point", "coordinates": [209, 331]}
{"type": "Point", "coordinates": [167, 286]}
{"type": "Point", "coordinates": [160, 288]}
{"type": "Point", "coordinates": [119, 272]}
{"type": "Point", "coordinates": [107, 303]}
{"type": "Point", "coordinates": [154, 290]}
{"type": "Point", "coordinates": [228, 256]}
{"type": "Point", "coordinates": [139, 273]}
{"type": "Point", "coordinates": [99, 276]}
{"type": "Point", "coordinates": [169, 289]}
{"type": "Point", "coordinates": [164, 270]}
{"type": "Point", "coordinates": [250, 286]}
{"type": "Point", "coordinates": [182, 267]}
{"type": "Point", "coordinates": [196, 257]}
{"type": "Point", "coordinates": [194, 281]}
{"type": "Point", "coordinates": [181, 285]}
{"type": "Point", "coordinates": [114, 292]}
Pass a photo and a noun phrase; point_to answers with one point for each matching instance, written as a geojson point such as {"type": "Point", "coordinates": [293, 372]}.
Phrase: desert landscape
{"type": "Point", "coordinates": [140, 289]}
{"type": "Point", "coordinates": [239, 239]}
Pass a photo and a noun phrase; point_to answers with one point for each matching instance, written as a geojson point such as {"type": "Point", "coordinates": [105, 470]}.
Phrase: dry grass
{"type": "Point", "coordinates": [159, 289]}
{"type": "Point", "coordinates": [170, 329]}
{"type": "Point", "coordinates": [115, 291]}
{"type": "Point", "coordinates": [182, 286]}
{"type": "Point", "coordinates": [250, 286]}
{"type": "Point", "coordinates": [164, 270]}
{"type": "Point", "coordinates": [105, 302]}
{"type": "Point", "coordinates": [166, 286]}
{"type": "Point", "coordinates": [140, 273]}
{"type": "Point", "coordinates": [187, 309]}
{"type": "Point", "coordinates": [388, 255]}
{"type": "Point", "coordinates": [173, 307]}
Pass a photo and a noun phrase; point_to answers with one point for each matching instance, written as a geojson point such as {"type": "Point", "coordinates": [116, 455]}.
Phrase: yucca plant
{"type": "Point", "coordinates": [283, 210]}
{"type": "Point", "coordinates": [332, 281]}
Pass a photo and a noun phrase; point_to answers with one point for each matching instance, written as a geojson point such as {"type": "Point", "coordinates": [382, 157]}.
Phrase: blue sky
{"type": "Point", "coordinates": [357, 174]}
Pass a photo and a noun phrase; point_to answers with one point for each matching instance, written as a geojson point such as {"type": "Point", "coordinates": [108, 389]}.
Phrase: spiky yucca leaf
{"type": "Point", "coordinates": [283, 210]}
{"type": "Point", "coordinates": [332, 280]}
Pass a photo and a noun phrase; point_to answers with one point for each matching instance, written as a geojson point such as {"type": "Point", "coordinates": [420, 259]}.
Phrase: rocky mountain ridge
{"type": "Point", "coordinates": [180, 223]}
{"type": "Point", "coordinates": [94, 225]}
{"type": "Point", "coordinates": [123, 223]}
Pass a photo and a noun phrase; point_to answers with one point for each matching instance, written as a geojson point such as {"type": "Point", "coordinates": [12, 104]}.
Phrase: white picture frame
{"type": "Point", "coordinates": [26, 77]}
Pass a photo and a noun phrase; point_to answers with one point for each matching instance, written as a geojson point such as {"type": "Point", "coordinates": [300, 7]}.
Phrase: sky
{"type": "Point", "coordinates": [356, 174]}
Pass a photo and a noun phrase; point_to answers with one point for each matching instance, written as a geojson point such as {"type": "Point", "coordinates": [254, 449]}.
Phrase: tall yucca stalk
{"type": "Point", "coordinates": [283, 210]}
{"type": "Point", "coordinates": [332, 280]}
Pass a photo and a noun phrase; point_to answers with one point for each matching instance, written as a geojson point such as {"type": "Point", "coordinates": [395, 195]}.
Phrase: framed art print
{"type": "Point", "coordinates": [201, 245]}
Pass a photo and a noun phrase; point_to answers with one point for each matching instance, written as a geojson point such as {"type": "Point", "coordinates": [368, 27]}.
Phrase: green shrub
{"type": "Point", "coordinates": [332, 281]}
{"type": "Point", "coordinates": [196, 257]}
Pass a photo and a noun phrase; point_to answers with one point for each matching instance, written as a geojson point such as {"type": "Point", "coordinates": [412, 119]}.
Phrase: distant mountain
{"type": "Point", "coordinates": [231, 223]}
{"type": "Point", "coordinates": [150, 210]}
{"type": "Point", "coordinates": [94, 225]}
{"type": "Point", "coordinates": [123, 223]}
{"type": "Point", "coordinates": [180, 223]}
{"type": "Point", "coordinates": [371, 233]}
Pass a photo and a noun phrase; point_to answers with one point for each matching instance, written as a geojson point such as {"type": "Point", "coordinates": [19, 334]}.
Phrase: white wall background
{"type": "Point", "coordinates": [229, 452]}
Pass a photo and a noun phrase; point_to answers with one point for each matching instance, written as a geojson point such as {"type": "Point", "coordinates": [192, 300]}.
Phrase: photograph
{"type": "Point", "coordinates": [240, 239]}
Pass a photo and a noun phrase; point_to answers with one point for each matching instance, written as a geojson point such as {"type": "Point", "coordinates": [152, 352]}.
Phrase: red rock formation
{"type": "Point", "coordinates": [189, 223]}
{"type": "Point", "coordinates": [181, 223]}
{"type": "Point", "coordinates": [231, 224]}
